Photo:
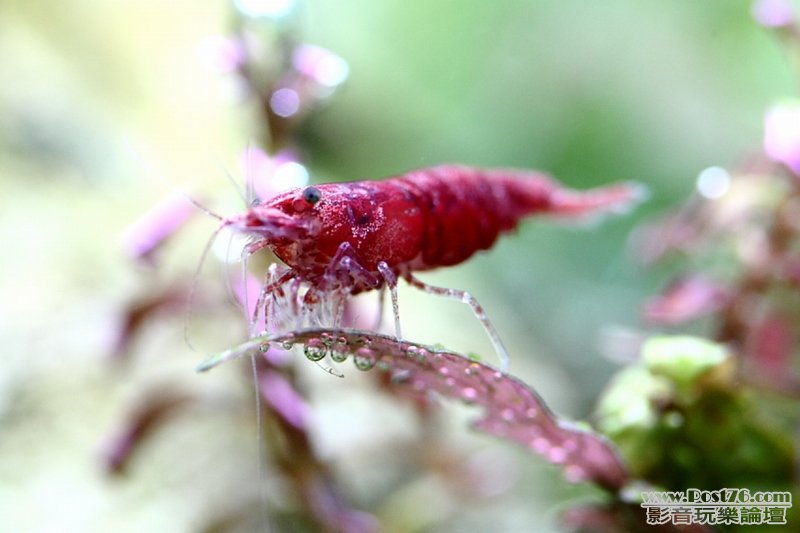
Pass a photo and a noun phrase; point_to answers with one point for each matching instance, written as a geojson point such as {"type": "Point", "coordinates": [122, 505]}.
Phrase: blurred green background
{"type": "Point", "coordinates": [106, 107]}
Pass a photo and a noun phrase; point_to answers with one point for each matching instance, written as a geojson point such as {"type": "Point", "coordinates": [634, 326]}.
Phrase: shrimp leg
{"type": "Point", "coordinates": [379, 318]}
{"type": "Point", "coordinates": [273, 282]}
{"type": "Point", "coordinates": [346, 261]}
{"type": "Point", "coordinates": [477, 309]}
{"type": "Point", "coordinates": [391, 280]}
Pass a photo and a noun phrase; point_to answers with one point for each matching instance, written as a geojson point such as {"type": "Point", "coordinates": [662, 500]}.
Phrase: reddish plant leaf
{"type": "Point", "coordinates": [160, 405]}
{"type": "Point", "coordinates": [136, 314]}
{"type": "Point", "coordinates": [686, 299]}
{"type": "Point", "coordinates": [511, 409]}
{"type": "Point", "coordinates": [283, 398]}
{"type": "Point", "coordinates": [769, 347]}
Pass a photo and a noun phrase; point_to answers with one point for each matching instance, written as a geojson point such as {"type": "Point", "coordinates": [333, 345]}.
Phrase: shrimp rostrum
{"type": "Point", "coordinates": [347, 238]}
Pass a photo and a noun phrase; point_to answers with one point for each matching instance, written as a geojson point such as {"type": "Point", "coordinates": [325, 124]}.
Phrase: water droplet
{"type": "Point", "coordinates": [338, 356]}
{"type": "Point", "coordinates": [531, 413]}
{"type": "Point", "coordinates": [411, 351]}
{"type": "Point", "coordinates": [557, 455]}
{"type": "Point", "coordinates": [364, 359]}
{"type": "Point", "coordinates": [401, 376]}
{"type": "Point", "coordinates": [574, 473]}
{"type": "Point", "coordinates": [507, 415]}
{"type": "Point", "coordinates": [713, 183]}
{"type": "Point", "coordinates": [443, 370]}
{"type": "Point", "coordinates": [497, 376]}
{"type": "Point", "coordinates": [363, 341]}
{"type": "Point", "coordinates": [285, 102]}
{"type": "Point", "coordinates": [472, 369]}
{"type": "Point", "coordinates": [326, 339]}
{"type": "Point", "coordinates": [469, 394]}
{"type": "Point", "coordinates": [540, 445]}
{"type": "Point", "coordinates": [314, 353]}
{"type": "Point", "coordinates": [287, 345]}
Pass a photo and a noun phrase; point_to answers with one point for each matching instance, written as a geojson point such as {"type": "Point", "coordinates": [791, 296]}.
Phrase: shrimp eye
{"type": "Point", "coordinates": [312, 195]}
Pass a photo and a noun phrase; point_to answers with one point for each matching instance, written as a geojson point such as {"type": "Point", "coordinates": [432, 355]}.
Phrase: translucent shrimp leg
{"type": "Point", "coordinates": [477, 309]}
{"type": "Point", "coordinates": [391, 281]}
{"type": "Point", "coordinates": [346, 261]}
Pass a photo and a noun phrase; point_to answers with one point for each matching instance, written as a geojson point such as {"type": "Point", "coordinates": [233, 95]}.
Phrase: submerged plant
{"type": "Point", "coordinates": [708, 401]}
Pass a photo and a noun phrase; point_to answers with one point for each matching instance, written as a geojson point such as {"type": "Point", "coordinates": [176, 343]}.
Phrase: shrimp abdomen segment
{"type": "Point", "coordinates": [460, 213]}
{"type": "Point", "coordinates": [465, 209]}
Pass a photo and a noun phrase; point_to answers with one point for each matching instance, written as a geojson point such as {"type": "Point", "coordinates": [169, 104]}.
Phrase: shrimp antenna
{"type": "Point", "coordinates": [236, 185]}
{"type": "Point", "coordinates": [330, 370]}
{"type": "Point", "coordinates": [196, 281]}
{"type": "Point", "coordinates": [262, 469]}
{"type": "Point", "coordinates": [204, 209]}
{"type": "Point", "coordinates": [230, 291]}
{"type": "Point", "coordinates": [249, 174]}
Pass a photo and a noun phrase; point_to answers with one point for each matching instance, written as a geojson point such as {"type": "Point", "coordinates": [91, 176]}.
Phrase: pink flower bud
{"type": "Point", "coordinates": [284, 399]}
{"type": "Point", "coordinates": [222, 54]}
{"type": "Point", "coordinates": [270, 175]}
{"type": "Point", "coordinates": [773, 13]}
{"type": "Point", "coordinates": [782, 134]}
{"type": "Point", "coordinates": [321, 65]}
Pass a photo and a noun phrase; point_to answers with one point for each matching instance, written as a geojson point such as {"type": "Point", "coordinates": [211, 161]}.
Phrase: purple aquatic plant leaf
{"type": "Point", "coordinates": [160, 405]}
{"type": "Point", "coordinates": [283, 398]}
{"type": "Point", "coordinates": [511, 409]}
{"type": "Point", "coordinates": [686, 299]}
{"type": "Point", "coordinates": [137, 314]}
{"type": "Point", "coordinates": [145, 235]}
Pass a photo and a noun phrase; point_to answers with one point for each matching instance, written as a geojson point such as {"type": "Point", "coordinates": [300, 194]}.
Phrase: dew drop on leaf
{"type": "Point", "coordinates": [364, 359]}
{"type": "Point", "coordinates": [314, 352]}
{"type": "Point", "coordinates": [401, 376]}
{"type": "Point", "coordinates": [540, 445]}
{"type": "Point", "coordinates": [338, 355]}
{"type": "Point", "coordinates": [469, 394]}
{"type": "Point", "coordinates": [574, 473]}
{"type": "Point", "coordinates": [557, 455]}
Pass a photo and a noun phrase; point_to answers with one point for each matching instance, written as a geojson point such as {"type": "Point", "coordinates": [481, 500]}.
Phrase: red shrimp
{"type": "Point", "coordinates": [364, 235]}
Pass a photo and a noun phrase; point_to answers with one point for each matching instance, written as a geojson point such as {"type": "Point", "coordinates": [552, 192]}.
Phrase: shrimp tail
{"type": "Point", "coordinates": [529, 193]}
{"type": "Point", "coordinates": [618, 198]}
